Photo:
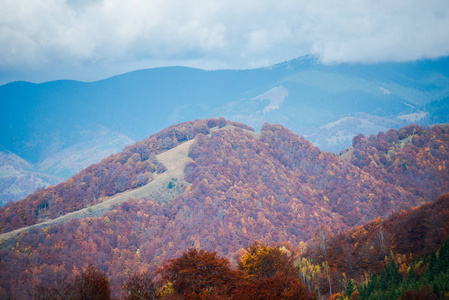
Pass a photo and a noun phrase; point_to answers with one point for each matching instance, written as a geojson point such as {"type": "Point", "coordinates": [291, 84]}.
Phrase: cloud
{"type": "Point", "coordinates": [115, 35]}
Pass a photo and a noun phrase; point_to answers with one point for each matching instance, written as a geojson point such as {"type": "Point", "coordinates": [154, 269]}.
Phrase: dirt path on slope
{"type": "Point", "coordinates": [174, 160]}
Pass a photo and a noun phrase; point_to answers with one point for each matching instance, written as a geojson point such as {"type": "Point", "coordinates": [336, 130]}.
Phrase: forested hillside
{"type": "Point", "coordinates": [134, 167]}
{"type": "Point", "coordinates": [400, 244]}
{"type": "Point", "coordinates": [274, 187]}
{"type": "Point", "coordinates": [413, 157]}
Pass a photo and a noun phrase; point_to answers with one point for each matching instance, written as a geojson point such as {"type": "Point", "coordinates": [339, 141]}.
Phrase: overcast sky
{"type": "Point", "coordinates": [86, 40]}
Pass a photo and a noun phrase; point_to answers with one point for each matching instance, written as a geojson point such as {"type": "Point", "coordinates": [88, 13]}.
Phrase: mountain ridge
{"type": "Point", "coordinates": [42, 122]}
{"type": "Point", "coordinates": [143, 86]}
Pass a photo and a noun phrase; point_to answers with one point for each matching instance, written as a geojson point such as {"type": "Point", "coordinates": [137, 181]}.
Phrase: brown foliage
{"type": "Point", "coordinates": [409, 233]}
{"type": "Point", "coordinates": [197, 272]}
{"type": "Point", "coordinates": [424, 293]}
{"type": "Point", "coordinates": [278, 286]}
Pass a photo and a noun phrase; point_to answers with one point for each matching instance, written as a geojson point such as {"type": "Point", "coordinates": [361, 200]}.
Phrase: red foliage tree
{"type": "Point", "coordinates": [268, 273]}
{"type": "Point", "coordinates": [278, 286]}
{"type": "Point", "coordinates": [198, 272]}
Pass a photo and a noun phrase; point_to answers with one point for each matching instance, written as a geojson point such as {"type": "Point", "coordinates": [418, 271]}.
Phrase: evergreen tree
{"type": "Point", "coordinates": [395, 278]}
{"type": "Point", "coordinates": [374, 281]}
{"type": "Point", "coordinates": [350, 288]}
{"type": "Point", "coordinates": [411, 278]}
{"type": "Point", "coordinates": [442, 262]}
{"type": "Point", "coordinates": [383, 280]}
{"type": "Point", "coordinates": [430, 272]}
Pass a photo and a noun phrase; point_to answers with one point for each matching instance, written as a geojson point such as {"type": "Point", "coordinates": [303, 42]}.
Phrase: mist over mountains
{"type": "Point", "coordinates": [61, 127]}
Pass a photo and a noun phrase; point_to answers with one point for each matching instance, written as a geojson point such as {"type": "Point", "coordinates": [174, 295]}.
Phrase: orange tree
{"type": "Point", "coordinates": [268, 273]}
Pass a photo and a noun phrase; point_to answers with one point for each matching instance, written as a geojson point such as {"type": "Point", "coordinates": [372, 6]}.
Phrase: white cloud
{"type": "Point", "coordinates": [51, 35]}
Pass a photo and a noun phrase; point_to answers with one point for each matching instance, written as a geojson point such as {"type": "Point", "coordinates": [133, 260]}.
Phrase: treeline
{"type": "Point", "coordinates": [263, 272]}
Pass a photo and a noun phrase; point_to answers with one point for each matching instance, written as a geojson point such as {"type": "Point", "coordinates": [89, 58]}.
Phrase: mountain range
{"type": "Point", "coordinates": [60, 127]}
{"type": "Point", "coordinates": [217, 185]}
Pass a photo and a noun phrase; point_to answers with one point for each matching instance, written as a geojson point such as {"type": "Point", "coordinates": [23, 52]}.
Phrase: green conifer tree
{"type": "Point", "coordinates": [350, 288]}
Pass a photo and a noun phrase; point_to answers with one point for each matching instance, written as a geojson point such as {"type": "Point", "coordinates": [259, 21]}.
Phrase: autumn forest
{"type": "Point", "coordinates": [263, 216]}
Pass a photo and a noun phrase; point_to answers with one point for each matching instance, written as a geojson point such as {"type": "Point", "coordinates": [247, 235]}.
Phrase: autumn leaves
{"type": "Point", "coordinates": [263, 272]}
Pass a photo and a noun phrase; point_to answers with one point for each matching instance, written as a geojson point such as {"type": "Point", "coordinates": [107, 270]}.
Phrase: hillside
{"type": "Point", "coordinates": [301, 177]}
{"type": "Point", "coordinates": [413, 157]}
{"type": "Point", "coordinates": [134, 167]}
{"type": "Point", "coordinates": [20, 178]}
{"type": "Point", "coordinates": [404, 241]}
{"type": "Point", "coordinates": [239, 186]}
{"type": "Point", "coordinates": [159, 188]}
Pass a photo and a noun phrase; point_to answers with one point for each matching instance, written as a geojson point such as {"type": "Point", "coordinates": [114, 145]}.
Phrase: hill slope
{"type": "Point", "coordinates": [240, 186]}
{"type": "Point", "coordinates": [19, 178]}
{"type": "Point", "coordinates": [404, 242]}
{"type": "Point", "coordinates": [135, 166]}
{"type": "Point", "coordinates": [413, 157]}
{"type": "Point", "coordinates": [159, 188]}
{"type": "Point", "coordinates": [278, 167]}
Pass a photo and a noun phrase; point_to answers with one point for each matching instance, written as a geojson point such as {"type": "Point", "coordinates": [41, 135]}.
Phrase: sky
{"type": "Point", "coordinates": [42, 40]}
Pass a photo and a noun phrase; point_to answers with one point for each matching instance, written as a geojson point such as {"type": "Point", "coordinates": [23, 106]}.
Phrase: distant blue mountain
{"type": "Point", "coordinates": [326, 103]}
{"type": "Point", "coordinates": [142, 102]}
